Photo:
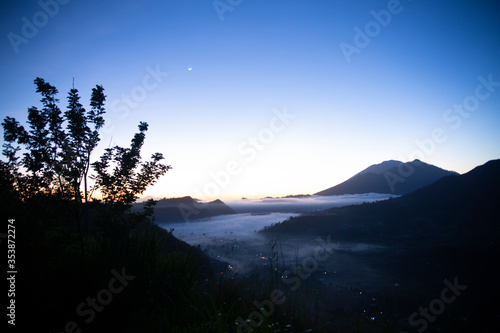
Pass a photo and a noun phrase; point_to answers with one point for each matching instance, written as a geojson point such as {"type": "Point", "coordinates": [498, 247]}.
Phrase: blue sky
{"type": "Point", "coordinates": [272, 105]}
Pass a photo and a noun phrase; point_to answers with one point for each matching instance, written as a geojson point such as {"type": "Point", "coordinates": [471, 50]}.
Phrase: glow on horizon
{"type": "Point", "coordinates": [385, 103]}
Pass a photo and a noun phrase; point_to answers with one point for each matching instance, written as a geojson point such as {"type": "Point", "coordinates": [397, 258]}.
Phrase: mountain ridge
{"type": "Point", "coordinates": [380, 168]}
{"type": "Point", "coordinates": [185, 209]}
{"type": "Point", "coordinates": [455, 207]}
{"type": "Point", "coordinates": [391, 177]}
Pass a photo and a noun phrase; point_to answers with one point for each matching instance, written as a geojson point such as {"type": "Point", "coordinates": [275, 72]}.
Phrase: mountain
{"type": "Point", "coordinates": [186, 209]}
{"type": "Point", "coordinates": [217, 207]}
{"type": "Point", "coordinates": [393, 177]}
{"type": "Point", "coordinates": [380, 168]}
{"type": "Point", "coordinates": [447, 230]}
{"type": "Point", "coordinates": [454, 207]}
{"type": "Point", "coordinates": [473, 196]}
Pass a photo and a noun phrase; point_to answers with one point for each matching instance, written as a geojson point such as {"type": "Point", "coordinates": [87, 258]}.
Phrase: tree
{"type": "Point", "coordinates": [81, 139]}
{"type": "Point", "coordinates": [57, 150]}
{"type": "Point", "coordinates": [120, 175]}
{"type": "Point", "coordinates": [56, 160]}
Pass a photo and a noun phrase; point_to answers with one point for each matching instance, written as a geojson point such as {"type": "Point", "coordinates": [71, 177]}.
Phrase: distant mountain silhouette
{"type": "Point", "coordinates": [450, 228]}
{"type": "Point", "coordinates": [454, 207]}
{"type": "Point", "coordinates": [475, 192]}
{"type": "Point", "coordinates": [393, 177]}
{"type": "Point", "coordinates": [381, 167]}
{"type": "Point", "coordinates": [186, 209]}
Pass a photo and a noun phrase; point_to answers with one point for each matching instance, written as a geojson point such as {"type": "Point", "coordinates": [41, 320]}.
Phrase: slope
{"type": "Point", "coordinates": [454, 207]}
{"type": "Point", "coordinates": [392, 177]}
{"type": "Point", "coordinates": [185, 209]}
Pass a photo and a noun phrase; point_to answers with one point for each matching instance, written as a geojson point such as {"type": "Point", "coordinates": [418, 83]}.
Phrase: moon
{"type": "Point", "coordinates": [190, 68]}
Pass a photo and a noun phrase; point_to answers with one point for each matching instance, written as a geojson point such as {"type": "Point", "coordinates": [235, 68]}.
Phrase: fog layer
{"type": "Point", "coordinates": [303, 204]}
{"type": "Point", "coordinates": [234, 238]}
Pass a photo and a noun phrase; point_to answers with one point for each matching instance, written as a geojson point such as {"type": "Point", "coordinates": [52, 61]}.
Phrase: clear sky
{"type": "Point", "coordinates": [261, 97]}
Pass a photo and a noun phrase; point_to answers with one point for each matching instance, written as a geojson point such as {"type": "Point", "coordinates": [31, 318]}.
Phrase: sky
{"type": "Point", "coordinates": [268, 98]}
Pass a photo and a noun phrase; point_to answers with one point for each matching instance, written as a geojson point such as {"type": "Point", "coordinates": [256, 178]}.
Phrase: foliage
{"type": "Point", "coordinates": [125, 182]}
{"type": "Point", "coordinates": [58, 148]}
{"type": "Point", "coordinates": [175, 289]}
{"type": "Point", "coordinates": [56, 159]}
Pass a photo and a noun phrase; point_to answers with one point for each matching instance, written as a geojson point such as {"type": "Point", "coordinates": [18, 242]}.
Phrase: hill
{"type": "Point", "coordinates": [393, 177]}
{"type": "Point", "coordinates": [454, 207]}
{"type": "Point", "coordinates": [185, 209]}
{"type": "Point", "coordinates": [381, 167]}
{"type": "Point", "coordinates": [447, 230]}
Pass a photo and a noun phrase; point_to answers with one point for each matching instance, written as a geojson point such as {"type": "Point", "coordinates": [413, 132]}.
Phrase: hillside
{"type": "Point", "coordinates": [447, 230]}
{"type": "Point", "coordinates": [381, 167]}
{"type": "Point", "coordinates": [445, 209]}
{"type": "Point", "coordinates": [392, 177]}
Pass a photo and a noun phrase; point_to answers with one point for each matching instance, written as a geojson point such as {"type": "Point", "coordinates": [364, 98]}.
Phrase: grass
{"type": "Point", "coordinates": [176, 287]}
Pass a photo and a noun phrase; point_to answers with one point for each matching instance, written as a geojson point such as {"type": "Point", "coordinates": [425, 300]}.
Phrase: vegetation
{"type": "Point", "coordinates": [72, 246]}
{"type": "Point", "coordinates": [97, 265]}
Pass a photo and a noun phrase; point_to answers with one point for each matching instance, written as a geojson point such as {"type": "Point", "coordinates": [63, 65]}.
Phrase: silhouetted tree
{"type": "Point", "coordinates": [129, 177]}
{"type": "Point", "coordinates": [55, 160]}
{"type": "Point", "coordinates": [58, 147]}
{"type": "Point", "coordinates": [81, 139]}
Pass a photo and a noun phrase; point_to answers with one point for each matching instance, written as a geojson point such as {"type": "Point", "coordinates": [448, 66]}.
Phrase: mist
{"type": "Point", "coordinates": [235, 239]}
{"type": "Point", "coordinates": [303, 204]}
{"type": "Point", "coordinates": [255, 214]}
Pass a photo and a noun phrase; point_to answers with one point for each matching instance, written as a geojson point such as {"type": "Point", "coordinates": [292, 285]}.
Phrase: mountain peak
{"type": "Point", "coordinates": [188, 208]}
{"type": "Point", "coordinates": [380, 167]}
{"type": "Point", "coordinates": [393, 177]}
{"type": "Point", "coordinates": [217, 201]}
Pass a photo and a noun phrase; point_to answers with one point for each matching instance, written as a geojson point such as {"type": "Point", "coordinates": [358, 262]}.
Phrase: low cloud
{"type": "Point", "coordinates": [305, 204]}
